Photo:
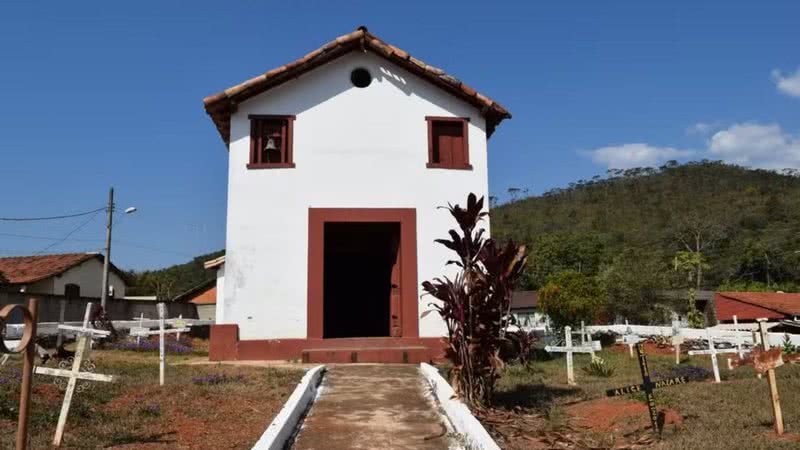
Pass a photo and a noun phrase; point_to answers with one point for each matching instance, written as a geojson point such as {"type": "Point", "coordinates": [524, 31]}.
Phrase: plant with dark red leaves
{"type": "Point", "coordinates": [476, 303]}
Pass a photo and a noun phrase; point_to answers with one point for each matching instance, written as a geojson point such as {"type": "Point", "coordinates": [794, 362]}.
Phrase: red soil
{"type": "Point", "coordinates": [617, 415]}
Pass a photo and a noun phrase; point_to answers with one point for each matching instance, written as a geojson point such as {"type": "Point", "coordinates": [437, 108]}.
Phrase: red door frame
{"type": "Point", "coordinates": [407, 217]}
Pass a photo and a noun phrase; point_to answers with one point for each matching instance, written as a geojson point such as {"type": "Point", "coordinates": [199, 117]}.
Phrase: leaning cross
{"type": "Point", "coordinates": [162, 311]}
{"type": "Point", "coordinates": [569, 350]}
{"type": "Point", "coordinates": [647, 386]}
{"type": "Point", "coordinates": [713, 352]}
{"type": "Point", "coordinates": [85, 334]}
{"type": "Point", "coordinates": [766, 360]}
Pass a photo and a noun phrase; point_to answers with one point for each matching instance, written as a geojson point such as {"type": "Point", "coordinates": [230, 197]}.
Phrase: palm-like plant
{"type": "Point", "coordinates": [475, 304]}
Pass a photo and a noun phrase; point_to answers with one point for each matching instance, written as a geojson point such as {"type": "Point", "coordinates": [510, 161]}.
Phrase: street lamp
{"type": "Point", "coordinates": [107, 259]}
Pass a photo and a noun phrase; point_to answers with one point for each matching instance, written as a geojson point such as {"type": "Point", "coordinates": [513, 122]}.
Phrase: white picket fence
{"type": "Point", "coordinates": [14, 331]}
{"type": "Point", "coordinates": [721, 333]}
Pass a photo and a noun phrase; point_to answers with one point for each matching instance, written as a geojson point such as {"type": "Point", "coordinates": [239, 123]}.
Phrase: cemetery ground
{"type": "Point", "coordinates": [201, 406]}
{"type": "Point", "coordinates": [535, 408]}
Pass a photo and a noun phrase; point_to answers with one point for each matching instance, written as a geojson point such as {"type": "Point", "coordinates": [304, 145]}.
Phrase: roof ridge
{"type": "Point", "coordinates": [221, 105]}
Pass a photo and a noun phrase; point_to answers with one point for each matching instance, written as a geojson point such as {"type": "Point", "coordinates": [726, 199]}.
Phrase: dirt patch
{"type": "Point", "coordinates": [617, 415]}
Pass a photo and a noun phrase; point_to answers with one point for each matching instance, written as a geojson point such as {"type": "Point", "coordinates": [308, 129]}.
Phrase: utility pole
{"type": "Point", "coordinates": [107, 259]}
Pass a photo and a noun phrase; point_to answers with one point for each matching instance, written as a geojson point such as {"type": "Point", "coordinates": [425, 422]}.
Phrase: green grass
{"type": "Point", "coordinates": [733, 414]}
{"type": "Point", "coordinates": [135, 410]}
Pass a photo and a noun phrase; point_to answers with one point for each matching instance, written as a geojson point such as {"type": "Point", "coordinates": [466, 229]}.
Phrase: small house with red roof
{"type": "Point", "coordinates": [72, 275]}
{"type": "Point", "coordinates": [338, 163]}
{"type": "Point", "coordinates": [750, 306]}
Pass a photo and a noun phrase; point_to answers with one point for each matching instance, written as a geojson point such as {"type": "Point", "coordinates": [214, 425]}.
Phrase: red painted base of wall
{"type": "Point", "coordinates": [226, 346]}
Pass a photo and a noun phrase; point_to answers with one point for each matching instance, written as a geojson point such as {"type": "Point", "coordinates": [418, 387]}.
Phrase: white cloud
{"type": "Point", "coordinates": [756, 145]}
{"type": "Point", "coordinates": [789, 84]}
{"type": "Point", "coordinates": [635, 155]}
{"type": "Point", "coordinates": [764, 146]}
{"type": "Point", "coordinates": [702, 128]}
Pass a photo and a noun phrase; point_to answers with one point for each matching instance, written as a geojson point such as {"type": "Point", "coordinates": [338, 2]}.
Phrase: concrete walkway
{"type": "Point", "coordinates": [373, 407]}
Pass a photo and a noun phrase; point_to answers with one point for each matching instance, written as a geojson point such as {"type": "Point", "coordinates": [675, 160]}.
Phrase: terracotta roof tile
{"type": "Point", "coordinates": [220, 106]}
{"type": "Point", "coordinates": [29, 269]}
{"type": "Point", "coordinates": [784, 303]}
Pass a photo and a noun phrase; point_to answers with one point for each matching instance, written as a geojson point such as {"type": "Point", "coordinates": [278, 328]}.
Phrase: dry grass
{"type": "Point", "coordinates": [733, 414]}
{"type": "Point", "coordinates": [136, 413]}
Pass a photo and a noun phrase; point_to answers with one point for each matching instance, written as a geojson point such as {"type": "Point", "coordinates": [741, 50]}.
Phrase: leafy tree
{"type": "Point", "coordinates": [170, 282]}
{"type": "Point", "coordinates": [634, 281]}
{"type": "Point", "coordinates": [569, 297]}
{"type": "Point", "coordinates": [753, 217]}
{"type": "Point", "coordinates": [553, 253]}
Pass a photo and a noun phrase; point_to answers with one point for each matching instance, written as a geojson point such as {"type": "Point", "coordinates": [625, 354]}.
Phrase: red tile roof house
{"type": "Point", "coordinates": [204, 296]}
{"type": "Point", "coordinates": [749, 306]}
{"type": "Point", "coordinates": [71, 274]}
{"type": "Point", "coordinates": [337, 163]}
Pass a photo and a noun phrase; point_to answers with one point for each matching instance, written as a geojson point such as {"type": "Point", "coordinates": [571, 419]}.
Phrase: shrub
{"type": "Point", "coordinates": [151, 345]}
{"type": "Point", "coordinates": [599, 368]}
{"type": "Point", "coordinates": [475, 304]}
{"type": "Point", "coordinates": [787, 345]}
{"type": "Point", "coordinates": [693, 373]}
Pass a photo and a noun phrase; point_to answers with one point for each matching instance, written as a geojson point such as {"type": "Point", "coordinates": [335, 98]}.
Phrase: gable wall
{"type": "Point", "coordinates": [353, 148]}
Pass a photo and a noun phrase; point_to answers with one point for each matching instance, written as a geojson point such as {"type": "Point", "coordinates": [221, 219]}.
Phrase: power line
{"type": "Point", "coordinates": [75, 230]}
{"type": "Point", "coordinates": [46, 238]}
{"type": "Point", "coordinates": [64, 216]}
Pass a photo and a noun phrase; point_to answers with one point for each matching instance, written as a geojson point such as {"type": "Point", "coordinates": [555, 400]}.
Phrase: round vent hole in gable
{"type": "Point", "coordinates": [360, 77]}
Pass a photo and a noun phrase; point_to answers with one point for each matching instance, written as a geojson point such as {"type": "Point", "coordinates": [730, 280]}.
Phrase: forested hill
{"type": "Point", "coordinates": [174, 280]}
{"type": "Point", "coordinates": [745, 224]}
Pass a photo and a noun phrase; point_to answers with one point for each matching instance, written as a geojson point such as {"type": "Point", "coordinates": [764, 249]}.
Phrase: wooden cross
{"type": "Point", "coordinates": [85, 335]}
{"type": "Point", "coordinates": [647, 386]}
{"type": "Point", "coordinates": [162, 311]}
{"type": "Point", "coordinates": [26, 345]}
{"type": "Point", "coordinates": [569, 350]}
{"type": "Point", "coordinates": [713, 352]}
{"type": "Point", "coordinates": [766, 361]}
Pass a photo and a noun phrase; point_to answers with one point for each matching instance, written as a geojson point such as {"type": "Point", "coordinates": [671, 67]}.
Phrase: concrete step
{"type": "Point", "coordinates": [395, 355]}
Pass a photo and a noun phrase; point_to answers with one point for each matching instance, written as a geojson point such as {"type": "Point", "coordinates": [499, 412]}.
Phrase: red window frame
{"type": "Point", "coordinates": [464, 121]}
{"type": "Point", "coordinates": [257, 121]}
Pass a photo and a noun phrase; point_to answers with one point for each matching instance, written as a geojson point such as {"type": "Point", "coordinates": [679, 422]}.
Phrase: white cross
{"type": "Point", "coordinates": [713, 352]}
{"type": "Point", "coordinates": [631, 340]}
{"type": "Point", "coordinates": [135, 331]}
{"type": "Point", "coordinates": [162, 311]}
{"type": "Point", "coordinates": [569, 350]}
{"type": "Point", "coordinates": [677, 340]}
{"type": "Point", "coordinates": [85, 334]}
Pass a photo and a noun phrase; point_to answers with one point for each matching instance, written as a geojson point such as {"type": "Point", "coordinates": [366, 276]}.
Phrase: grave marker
{"type": "Point", "coordinates": [713, 352]}
{"type": "Point", "coordinates": [569, 350]}
{"type": "Point", "coordinates": [85, 334]}
{"type": "Point", "coordinates": [647, 387]}
{"type": "Point", "coordinates": [631, 340]}
{"type": "Point", "coordinates": [26, 345]}
{"type": "Point", "coordinates": [162, 312]}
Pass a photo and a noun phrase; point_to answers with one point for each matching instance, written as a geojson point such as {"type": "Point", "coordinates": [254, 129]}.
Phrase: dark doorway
{"type": "Point", "coordinates": [361, 277]}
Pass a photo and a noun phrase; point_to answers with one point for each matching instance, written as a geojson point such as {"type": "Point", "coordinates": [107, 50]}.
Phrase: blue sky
{"type": "Point", "coordinates": [96, 94]}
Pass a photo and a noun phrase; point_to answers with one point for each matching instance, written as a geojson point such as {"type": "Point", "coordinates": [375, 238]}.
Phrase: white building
{"type": "Point", "coordinates": [337, 164]}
